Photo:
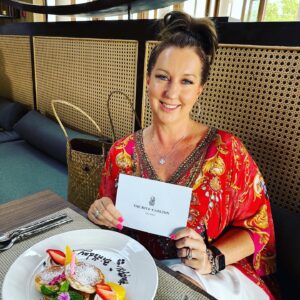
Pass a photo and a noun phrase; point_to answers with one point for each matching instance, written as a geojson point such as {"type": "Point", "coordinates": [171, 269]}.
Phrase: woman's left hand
{"type": "Point", "coordinates": [191, 249]}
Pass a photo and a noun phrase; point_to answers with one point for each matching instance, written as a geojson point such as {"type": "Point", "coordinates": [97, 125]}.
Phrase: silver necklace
{"type": "Point", "coordinates": [163, 158]}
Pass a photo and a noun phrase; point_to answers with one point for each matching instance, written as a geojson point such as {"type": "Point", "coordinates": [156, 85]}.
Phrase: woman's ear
{"type": "Point", "coordinates": [147, 80]}
{"type": "Point", "coordinates": [200, 90]}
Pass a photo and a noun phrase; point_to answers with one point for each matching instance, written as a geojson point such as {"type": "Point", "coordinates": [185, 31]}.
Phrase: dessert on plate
{"type": "Point", "coordinates": [66, 278]}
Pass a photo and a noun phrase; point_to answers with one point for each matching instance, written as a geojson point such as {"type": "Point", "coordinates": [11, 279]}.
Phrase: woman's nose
{"type": "Point", "coordinates": [172, 90]}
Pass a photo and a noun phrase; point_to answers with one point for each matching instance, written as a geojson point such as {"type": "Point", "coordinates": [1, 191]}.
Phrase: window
{"type": "Point", "coordinates": [51, 18]}
{"type": "Point", "coordinates": [200, 8]}
{"type": "Point", "coordinates": [189, 7]}
{"type": "Point", "coordinates": [212, 8]}
{"type": "Point", "coordinates": [251, 10]}
{"type": "Point", "coordinates": [151, 14]}
{"type": "Point", "coordinates": [111, 18]}
{"type": "Point", "coordinates": [231, 8]}
{"type": "Point", "coordinates": [162, 11]}
{"type": "Point", "coordinates": [281, 10]}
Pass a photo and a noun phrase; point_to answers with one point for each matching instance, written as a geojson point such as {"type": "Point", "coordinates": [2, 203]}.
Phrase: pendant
{"type": "Point", "coordinates": [162, 161]}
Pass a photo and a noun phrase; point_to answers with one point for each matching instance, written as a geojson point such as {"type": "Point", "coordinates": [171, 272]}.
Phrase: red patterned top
{"type": "Point", "coordinates": [228, 191]}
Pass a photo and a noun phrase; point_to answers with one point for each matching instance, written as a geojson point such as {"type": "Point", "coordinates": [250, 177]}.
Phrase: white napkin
{"type": "Point", "coordinates": [229, 284]}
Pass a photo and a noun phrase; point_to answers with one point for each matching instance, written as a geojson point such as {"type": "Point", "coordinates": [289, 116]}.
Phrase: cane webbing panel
{"type": "Point", "coordinates": [253, 92]}
{"type": "Point", "coordinates": [15, 69]}
{"type": "Point", "coordinates": [84, 72]}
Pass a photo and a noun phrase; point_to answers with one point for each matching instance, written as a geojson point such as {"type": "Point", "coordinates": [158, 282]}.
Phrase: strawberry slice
{"type": "Point", "coordinates": [103, 286]}
{"type": "Point", "coordinates": [57, 256]}
{"type": "Point", "coordinates": [105, 292]}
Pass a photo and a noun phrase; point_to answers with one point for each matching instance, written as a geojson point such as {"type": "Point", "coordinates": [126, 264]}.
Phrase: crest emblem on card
{"type": "Point", "coordinates": [152, 201]}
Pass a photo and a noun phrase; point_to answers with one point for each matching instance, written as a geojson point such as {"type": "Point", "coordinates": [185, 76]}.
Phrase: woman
{"type": "Point", "coordinates": [230, 221]}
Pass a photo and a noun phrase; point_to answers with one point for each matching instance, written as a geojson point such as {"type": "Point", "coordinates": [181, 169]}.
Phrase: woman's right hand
{"type": "Point", "coordinates": [104, 212]}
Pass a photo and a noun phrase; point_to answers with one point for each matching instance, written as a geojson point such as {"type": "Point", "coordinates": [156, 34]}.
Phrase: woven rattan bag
{"type": "Point", "coordinates": [85, 159]}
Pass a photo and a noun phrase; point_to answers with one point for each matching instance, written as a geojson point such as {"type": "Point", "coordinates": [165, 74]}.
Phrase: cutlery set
{"type": "Point", "coordinates": [7, 240]}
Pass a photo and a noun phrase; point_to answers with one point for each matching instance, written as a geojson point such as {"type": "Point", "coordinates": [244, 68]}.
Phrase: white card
{"type": "Point", "coordinates": [153, 206]}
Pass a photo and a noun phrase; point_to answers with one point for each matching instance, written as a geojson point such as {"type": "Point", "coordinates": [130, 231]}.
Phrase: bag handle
{"type": "Point", "coordinates": [109, 112]}
{"type": "Point", "coordinates": [76, 108]}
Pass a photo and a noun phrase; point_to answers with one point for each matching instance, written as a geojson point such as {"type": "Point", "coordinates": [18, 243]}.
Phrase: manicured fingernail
{"type": "Point", "coordinates": [172, 236]}
{"type": "Point", "coordinates": [120, 226]}
{"type": "Point", "coordinates": [121, 219]}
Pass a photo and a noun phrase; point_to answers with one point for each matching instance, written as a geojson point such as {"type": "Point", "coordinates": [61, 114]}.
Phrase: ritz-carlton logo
{"type": "Point", "coordinates": [152, 201]}
{"type": "Point", "coordinates": [150, 210]}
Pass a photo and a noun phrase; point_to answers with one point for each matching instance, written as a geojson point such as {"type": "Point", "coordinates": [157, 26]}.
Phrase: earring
{"type": "Point", "coordinates": [197, 109]}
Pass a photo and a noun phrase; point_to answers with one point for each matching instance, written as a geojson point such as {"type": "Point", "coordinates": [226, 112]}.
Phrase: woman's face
{"type": "Point", "coordinates": [174, 84]}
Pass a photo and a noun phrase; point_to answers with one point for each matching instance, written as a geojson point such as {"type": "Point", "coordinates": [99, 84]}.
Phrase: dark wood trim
{"type": "Point", "coordinates": [260, 33]}
{"type": "Point", "coordinates": [179, 6]}
{"type": "Point", "coordinates": [217, 8]}
{"type": "Point", "coordinates": [33, 73]}
{"type": "Point", "coordinates": [30, 208]}
{"type": "Point", "coordinates": [140, 81]}
{"type": "Point", "coordinates": [123, 29]}
{"type": "Point", "coordinates": [207, 8]}
{"type": "Point", "coordinates": [33, 207]}
{"type": "Point", "coordinates": [261, 9]}
{"type": "Point", "coordinates": [254, 33]}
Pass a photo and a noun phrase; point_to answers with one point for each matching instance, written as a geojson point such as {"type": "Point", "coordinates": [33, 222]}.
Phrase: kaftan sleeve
{"type": "Point", "coordinates": [119, 160]}
{"type": "Point", "coordinates": [251, 207]}
{"type": "Point", "coordinates": [108, 179]}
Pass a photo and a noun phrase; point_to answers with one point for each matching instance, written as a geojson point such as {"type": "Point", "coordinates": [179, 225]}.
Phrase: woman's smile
{"type": "Point", "coordinates": [168, 107]}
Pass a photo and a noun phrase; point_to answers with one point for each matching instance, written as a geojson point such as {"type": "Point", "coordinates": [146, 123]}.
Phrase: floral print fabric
{"type": "Point", "coordinates": [228, 191]}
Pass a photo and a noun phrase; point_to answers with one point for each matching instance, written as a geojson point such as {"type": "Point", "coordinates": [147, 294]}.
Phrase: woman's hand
{"type": "Point", "coordinates": [104, 212]}
{"type": "Point", "coordinates": [191, 249]}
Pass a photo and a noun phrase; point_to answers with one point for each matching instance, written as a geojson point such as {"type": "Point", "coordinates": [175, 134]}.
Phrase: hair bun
{"type": "Point", "coordinates": [202, 30]}
{"type": "Point", "coordinates": [173, 22]}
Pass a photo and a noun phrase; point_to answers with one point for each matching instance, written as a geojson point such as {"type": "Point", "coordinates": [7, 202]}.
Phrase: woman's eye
{"type": "Point", "coordinates": [162, 77]}
{"type": "Point", "coordinates": [186, 81]}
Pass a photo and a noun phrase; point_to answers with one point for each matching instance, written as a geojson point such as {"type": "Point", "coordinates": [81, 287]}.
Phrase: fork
{"type": "Point", "coordinates": [4, 237]}
{"type": "Point", "coordinates": [9, 243]}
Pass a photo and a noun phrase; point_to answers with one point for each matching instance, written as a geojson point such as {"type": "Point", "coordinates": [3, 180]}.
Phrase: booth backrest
{"type": "Point", "coordinates": [253, 92]}
{"type": "Point", "coordinates": [84, 72]}
{"type": "Point", "coordinates": [16, 69]}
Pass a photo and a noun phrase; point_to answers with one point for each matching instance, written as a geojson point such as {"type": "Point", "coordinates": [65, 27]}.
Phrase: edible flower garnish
{"type": "Point", "coordinates": [61, 292]}
{"type": "Point", "coordinates": [64, 296]}
{"type": "Point", "coordinates": [58, 279]}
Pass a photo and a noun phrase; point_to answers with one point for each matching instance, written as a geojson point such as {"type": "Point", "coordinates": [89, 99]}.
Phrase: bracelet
{"type": "Point", "coordinates": [218, 259]}
{"type": "Point", "coordinates": [212, 262]}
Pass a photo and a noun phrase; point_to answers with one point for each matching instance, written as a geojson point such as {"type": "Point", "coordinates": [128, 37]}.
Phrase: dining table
{"type": "Point", "coordinates": [171, 285]}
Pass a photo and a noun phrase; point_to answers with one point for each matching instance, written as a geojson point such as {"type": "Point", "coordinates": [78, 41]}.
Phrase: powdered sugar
{"type": "Point", "coordinates": [85, 274]}
{"type": "Point", "coordinates": [48, 274]}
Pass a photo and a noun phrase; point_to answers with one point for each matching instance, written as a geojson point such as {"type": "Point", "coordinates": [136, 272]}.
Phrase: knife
{"type": "Point", "coordinates": [8, 244]}
{"type": "Point", "coordinates": [43, 228]}
{"type": "Point", "coordinates": [33, 226]}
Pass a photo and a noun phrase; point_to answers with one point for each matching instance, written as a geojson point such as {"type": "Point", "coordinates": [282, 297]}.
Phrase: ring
{"type": "Point", "coordinates": [97, 213]}
{"type": "Point", "coordinates": [189, 255]}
